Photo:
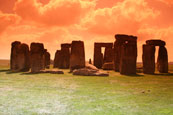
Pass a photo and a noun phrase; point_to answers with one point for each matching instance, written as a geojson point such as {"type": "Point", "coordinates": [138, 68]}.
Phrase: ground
{"type": "Point", "coordinates": [42, 94]}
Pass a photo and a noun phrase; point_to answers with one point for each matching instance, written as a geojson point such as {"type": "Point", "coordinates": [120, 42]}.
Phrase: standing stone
{"type": "Point", "coordinates": [162, 61]}
{"type": "Point", "coordinates": [47, 59]}
{"type": "Point", "coordinates": [37, 57]}
{"type": "Point", "coordinates": [13, 59]}
{"type": "Point", "coordinates": [77, 57]}
{"type": "Point", "coordinates": [24, 58]}
{"type": "Point", "coordinates": [108, 55]}
{"type": "Point", "coordinates": [98, 56]}
{"type": "Point", "coordinates": [148, 58]}
{"type": "Point", "coordinates": [57, 59]}
{"type": "Point", "coordinates": [121, 49]}
{"type": "Point", "coordinates": [19, 60]}
{"type": "Point", "coordinates": [128, 59]}
{"type": "Point", "coordinates": [65, 56]}
{"type": "Point", "coordinates": [117, 55]}
{"type": "Point", "coordinates": [99, 59]}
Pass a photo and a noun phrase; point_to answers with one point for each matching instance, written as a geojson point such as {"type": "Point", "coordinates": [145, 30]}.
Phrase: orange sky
{"type": "Point", "coordinates": [60, 21]}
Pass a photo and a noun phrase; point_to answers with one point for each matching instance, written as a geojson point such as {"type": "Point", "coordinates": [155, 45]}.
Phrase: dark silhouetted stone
{"type": "Point", "coordinates": [123, 38]}
{"type": "Point", "coordinates": [162, 61]}
{"type": "Point", "coordinates": [128, 59]}
{"type": "Point", "coordinates": [47, 59]}
{"type": "Point", "coordinates": [156, 42]}
{"type": "Point", "coordinates": [65, 56]}
{"type": "Point", "coordinates": [77, 57]}
{"type": "Point", "coordinates": [108, 55]}
{"type": "Point", "coordinates": [117, 55]}
{"type": "Point", "coordinates": [98, 56]}
{"type": "Point", "coordinates": [37, 57]}
{"type": "Point", "coordinates": [19, 57]}
{"type": "Point", "coordinates": [148, 58]}
{"type": "Point", "coordinates": [90, 62]}
{"type": "Point", "coordinates": [56, 63]}
{"type": "Point", "coordinates": [108, 66]}
{"type": "Point", "coordinates": [123, 46]}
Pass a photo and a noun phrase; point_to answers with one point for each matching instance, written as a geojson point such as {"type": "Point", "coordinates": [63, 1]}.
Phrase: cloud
{"type": "Point", "coordinates": [125, 17]}
{"type": "Point", "coordinates": [55, 13]}
{"type": "Point", "coordinates": [7, 20]}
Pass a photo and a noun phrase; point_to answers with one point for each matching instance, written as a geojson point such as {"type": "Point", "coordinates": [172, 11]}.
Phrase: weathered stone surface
{"type": "Point", "coordinates": [66, 45]}
{"type": "Point", "coordinates": [57, 57]}
{"type": "Point", "coordinates": [128, 59]}
{"type": "Point", "coordinates": [47, 59]}
{"type": "Point", "coordinates": [19, 57]}
{"type": "Point", "coordinates": [117, 55]}
{"type": "Point", "coordinates": [77, 56]}
{"type": "Point", "coordinates": [65, 56]}
{"type": "Point", "coordinates": [108, 66]}
{"type": "Point", "coordinates": [108, 55]}
{"type": "Point", "coordinates": [162, 61]}
{"type": "Point", "coordinates": [52, 71]}
{"type": "Point", "coordinates": [156, 42]}
{"type": "Point", "coordinates": [90, 66]}
{"type": "Point", "coordinates": [37, 57]}
{"type": "Point", "coordinates": [89, 72]}
{"type": "Point", "coordinates": [148, 58]}
{"type": "Point", "coordinates": [122, 39]}
{"type": "Point", "coordinates": [98, 56]}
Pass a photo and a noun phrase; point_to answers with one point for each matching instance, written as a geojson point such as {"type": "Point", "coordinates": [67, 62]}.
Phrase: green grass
{"type": "Point", "coordinates": [42, 94]}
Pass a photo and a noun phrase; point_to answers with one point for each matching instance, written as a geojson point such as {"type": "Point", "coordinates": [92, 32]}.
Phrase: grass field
{"type": "Point", "coordinates": [50, 94]}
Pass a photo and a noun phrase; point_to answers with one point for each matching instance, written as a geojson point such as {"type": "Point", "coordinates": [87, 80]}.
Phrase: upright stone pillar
{"type": "Point", "coordinates": [162, 61]}
{"type": "Point", "coordinates": [19, 60]}
{"type": "Point", "coordinates": [13, 59]}
{"type": "Point", "coordinates": [77, 57]}
{"type": "Point", "coordinates": [37, 57]}
{"type": "Point", "coordinates": [117, 55]}
{"type": "Point", "coordinates": [24, 58]}
{"type": "Point", "coordinates": [128, 59]}
{"type": "Point", "coordinates": [108, 55]}
{"type": "Point", "coordinates": [47, 59]}
{"type": "Point", "coordinates": [57, 60]}
{"type": "Point", "coordinates": [65, 56]}
{"type": "Point", "coordinates": [98, 56]}
{"type": "Point", "coordinates": [125, 54]}
{"type": "Point", "coordinates": [148, 58]}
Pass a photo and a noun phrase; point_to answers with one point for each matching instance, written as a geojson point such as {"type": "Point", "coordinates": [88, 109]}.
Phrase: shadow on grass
{"type": "Point", "coordinates": [11, 72]}
{"type": "Point", "coordinates": [5, 70]}
{"type": "Point", "coordinates": [134, 75]}
{"type": "Point", "coordinates": [163, 74]}
{"type": "Point", "coordinates": [29, 73]}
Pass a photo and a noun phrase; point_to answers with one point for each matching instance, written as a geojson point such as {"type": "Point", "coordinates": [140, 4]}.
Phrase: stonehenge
{"type": "Point", "coordinates": [77, 56]}
{"type": "Point", "coordinates": [125, 54]}
{"type": "Point", "coordinates": [148, 57]}
{"type": "Point", "coordinates": [120, 56]}
{"type": "Point", "coordinates": [19, 60]}
{"type": "Point", "coordinates": [99, 58]}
